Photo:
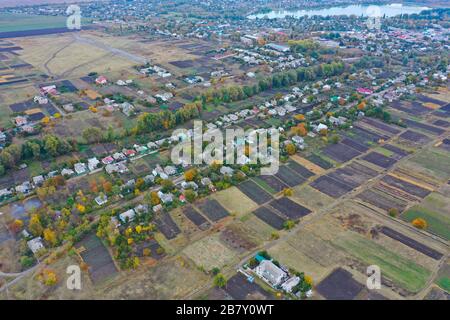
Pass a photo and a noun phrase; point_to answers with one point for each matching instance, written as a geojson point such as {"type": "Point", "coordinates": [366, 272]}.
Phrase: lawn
{"type": "Point", "coordinates": [437, 223]}
{"type": "Point", "coordinates": [400, 270]}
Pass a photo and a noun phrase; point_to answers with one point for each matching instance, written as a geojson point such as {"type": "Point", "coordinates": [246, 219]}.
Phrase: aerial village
{"type": "Point", "coordinates": [86, 173]}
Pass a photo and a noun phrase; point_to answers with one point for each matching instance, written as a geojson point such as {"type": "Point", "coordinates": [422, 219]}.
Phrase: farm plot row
{"type": "Point", "coordinates": [212, 209]}
{"type": "Point", "coordinates": [167, 226]}
{"type": "Point", "coordinates": [411, 243]}
{"type": "Point", "coordinates": [196, 218]}
{"type": "Point", "coordinates": [343, 180]}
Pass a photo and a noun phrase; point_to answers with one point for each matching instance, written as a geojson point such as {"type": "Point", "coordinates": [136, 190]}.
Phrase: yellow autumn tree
{"type": "Point", "coordinates": [34, 225]}
{"type": "Point", "coordinates": [291, 149]}
{"type": "Point", "coordinates": [420, 223]}
{"type": "Point", "coordinates": [190, 174]}
{"type": "Point", "coordinates": [50, 236]}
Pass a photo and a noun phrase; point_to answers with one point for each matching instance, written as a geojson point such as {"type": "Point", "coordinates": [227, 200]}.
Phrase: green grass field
{"type": "Point", "coordinates": [437, 223]}
{"type": "Point", "coordinates": [21, 22]}
{"type": "Point", "coordinates": [435, 161]}
{"type": "Point", "coordinates": [444, 283]}
{"type": "Point", "coordinates": [400, 270]}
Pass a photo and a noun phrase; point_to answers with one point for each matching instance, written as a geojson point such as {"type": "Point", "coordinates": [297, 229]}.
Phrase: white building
{"type": "Point", "coordinates": [269, 272]}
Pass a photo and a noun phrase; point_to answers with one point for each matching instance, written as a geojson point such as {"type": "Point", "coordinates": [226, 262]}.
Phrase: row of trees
{"type": "Point", "coordinates": [277, 80]}
{"type": "Point", "coordinates": [166, 119]}
{"type": "Point", "coordinates": [50, 145]}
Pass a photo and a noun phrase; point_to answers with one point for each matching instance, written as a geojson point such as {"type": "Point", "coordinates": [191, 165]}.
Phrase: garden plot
{"type": "Point", "coordinates": [97, 257]}
{"type": "Point", "coordinates": [382, 200]}
{"type": "Point", "coordinates": [411, 243]}
{"type": "Point", "coordinates": [441, 123]}
{"type": "Point", "coordinates": [426, 99]}
{"type": "Point", "coordinates": [401, 271]}
{"type": "Point", "coordinates": [254, 192]}
{"type": "Point", "coordinates": [330, 187]}
{"type": "Point", "coordinates": [339, 285]}
{"type": "Point", "coordinates": [273, 182]}
{"type": "Point", "coordinates": [313, 168]}
{"type": "Point", "coordinates": [379, 160]}
{"type": "Point", "coordinates": [210, 252]}
{"type": "Point", "coordinates": [419, 125]}
{"type": "Point", "coordinates": [299, 169]}
{"type": "Point", "coordinates": [355, 145]}
{"type": "Point", "coordinates": [196, 217]}
{"type": "Point", "coordinates": [270, 217]}
{"type": "Point", "coordinates": [398, 153]}
{"type": "Point", "coordinates": [349, 176]}
{"type": "Point", "coordinates": [236, 240]}
{"type": "Point", "coordinates": [436, 216]}
{"type": "Point", "coordinates": [381, 125]}
{"type": "Point", "coordinates": [340, 152]}
{"type": "Point", "coordinates": [289, 208]}
{"type": "Point", "coordinates": [319, 161]}
{"type": "Point", "coordinates": [239, 288]}
{"type": "Point", "coordinates": [212, 209]}
{"type": "Point", "coordinates": [371, 135]}
{"type": "Point", "coordinates": [293, 258]}
{"type": "Point", "coordinates": [311, 197]}
{"type": "Point", "coordinates": [167, 226]}
{"type": "Point", "coordinates": [415, 137]}
{"type": "Point", "coordinates": [234, 201]}
{"type": "Point", "coordinates": [289, 177]}
{"type": "Point", "coordinates": [413, 108]}
{"type": "Point", "coordinates": [434, 161]}
{"type": "Point", "coordinates": [406, 186]}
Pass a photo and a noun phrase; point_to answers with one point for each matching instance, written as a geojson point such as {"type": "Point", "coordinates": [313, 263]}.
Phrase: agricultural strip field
{"type": "Point", "coordinates": [354, 144]}
{"type": "Point", "coordinates": [310, 197]}
{"type": "Point", "coordinates": [415, 137]}
{"type": "Point", "coordinates": [413, 108]}
{"type": "Point", "coordinates": [212, 209]}
{"type": "Point", "coordinates": [438, 223]}
{"type": "Point", "coordinates": [406, 186]}
{"type": "Point", "coordinates": [435, 161]}
{"type": "Point", "coordinates": [319, 161]}
{"type": "Point", "coordinates": [234, 201]}
{"type": "Point", "coordinates": [270, 217]}
{"type": "Point", "coordinates": [239, 288]}
{"type": "Point", "coordinates": [379, 160]}
{"type": "Point", "coordinates": [441, 123]}
{"type": "Point", "coordinates": [97, 257]}
{"type": "Point", "coordinates": [196, 217]}
{"type": "Point", "coordinates": [396, 150]}
{"type": "Point", "coordinates": [426, 99]}
{"type": "Point", "coordinates": [340, 152]}
{"type": "Point", "coordinates": [330, 187]}
{"type": "Point", "coordinates": [339, 285]}
{"type": "Point", "coordinates": [411, 243]}
{"type": "Point", "coordinates": [380, 125]}
{"type": "Point", "coordinates": [167, 226]}
{"type": "Point", "coordinates": [351, 176]}
{"type": "Point", "coordinates": [289, 208]}
{"type": "Point", "coordinates": [274, 183]}
{"type": "Point", "coordinates": [299, 169]}
{"type": "Point", "coordinates": [254, 192]}
{"type": "Point", "coordinates": [401, 271]}
{"type": "Point", "coordinates": [382, 200]}
{"type": "Point", "coordinates": [289, 177]}
{"type": "Point", "coordinates": [423, 126]}
{"type": "Point", "coordinates": [370, 135]}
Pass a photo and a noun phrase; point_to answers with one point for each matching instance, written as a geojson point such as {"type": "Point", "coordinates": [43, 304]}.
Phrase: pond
{"type": "Point", "coordinates": [389, 10]}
